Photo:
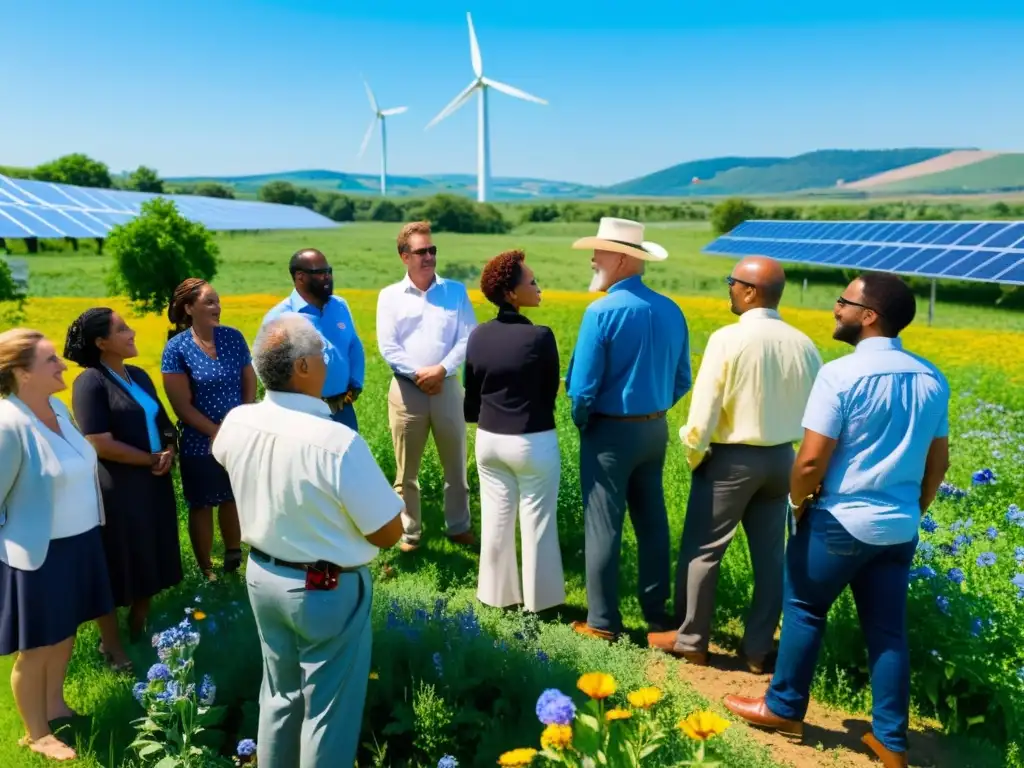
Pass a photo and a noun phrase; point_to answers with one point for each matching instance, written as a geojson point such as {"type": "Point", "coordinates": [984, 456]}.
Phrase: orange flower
{"type": "Point", "coordinates": [198, 615]}
{"type": "Point", "coordinates": [597, 685]}
{"type": "Point", "coordinates": [645, 698]}
{"type": "Point", "coordinates": [701, 726]}
{"type": "Point", "coordinates": [517, 757]}
{"type": "Point", "coordinates": [556, 737]}
{"type": "Point", "coordinates": [617, 714]}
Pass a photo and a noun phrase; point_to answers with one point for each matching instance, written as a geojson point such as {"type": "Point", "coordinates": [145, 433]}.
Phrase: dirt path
{"type": "Point", "coordinates": [831, 737]}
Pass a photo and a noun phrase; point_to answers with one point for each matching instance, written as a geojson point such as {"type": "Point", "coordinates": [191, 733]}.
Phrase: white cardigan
{"type": "Point", "coordinates": [28, 467]}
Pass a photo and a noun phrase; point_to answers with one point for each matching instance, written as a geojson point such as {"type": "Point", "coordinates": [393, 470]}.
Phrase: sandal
{"type": "Point", "coordinates": [49, 746]}
{"type": "Point", "coordinates": [125, 667]}
{"type": "Point", "coordinates": [232, 560]}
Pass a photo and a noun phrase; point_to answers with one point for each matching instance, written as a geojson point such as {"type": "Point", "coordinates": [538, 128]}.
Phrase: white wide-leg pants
{"type": "Point", "coordinates": [519, 474]}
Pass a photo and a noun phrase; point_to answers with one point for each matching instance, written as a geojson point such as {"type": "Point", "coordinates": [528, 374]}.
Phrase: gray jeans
{"type": "Point", "coordinates": [316, 664]}
{"type": "Point", "coordinates": [736, 484]}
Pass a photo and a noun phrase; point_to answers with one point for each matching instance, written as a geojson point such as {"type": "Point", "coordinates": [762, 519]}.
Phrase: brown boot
{"type": "Point", "coordinates": [582, 628]}
{"type": "Point", "coordinates": [756, 712]}
{"type": "Point", "coordinates": [666, 642]}
{"type": "Point", "coordinates": [889, 758]}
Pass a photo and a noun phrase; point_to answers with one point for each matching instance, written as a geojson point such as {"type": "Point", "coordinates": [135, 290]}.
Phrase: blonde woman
{"type": "Point", "coordinates": [53, 572]}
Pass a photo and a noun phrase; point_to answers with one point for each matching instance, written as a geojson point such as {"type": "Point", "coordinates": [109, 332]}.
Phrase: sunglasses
{"type": "Point", "coordinates": [732, 281]}
{"type": "Point", "coordinates": [847, 303]}
{"type": "Point", "coordinates": [430, 249]}
{"type": "Point", "coordinates": [323, 271]}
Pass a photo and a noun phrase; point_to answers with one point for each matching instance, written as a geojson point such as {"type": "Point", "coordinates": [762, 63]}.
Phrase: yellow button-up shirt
{"type": "Point", "coordinates": [752, 386]}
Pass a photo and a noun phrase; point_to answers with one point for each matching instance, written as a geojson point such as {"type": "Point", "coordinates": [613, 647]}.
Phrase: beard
{"type": "Point", "coordinates": [323, 291]}
{"type": "Point", "coordinates": [848, 333]}
{"type": "Point", "coordinates": [599, 282]}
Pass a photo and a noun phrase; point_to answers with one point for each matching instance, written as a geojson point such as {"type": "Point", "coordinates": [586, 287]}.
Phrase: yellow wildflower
{"type": "Point", "coordinates": [701, 726]}
{"type": "Point", "coordinates": [517, 757]}
{"type": "Point", "coordinates": [597, 685]}
{"type": "Point", "coordinates": [198, 615]}
{"type": "Point", "coordinates": [645, 698]}
{"type": "Point", "coordinates": [556, 736]}
{"type": "Point", "coordinates": [374, 676]}
{"type": "Point", "coordinates": [617, 714]}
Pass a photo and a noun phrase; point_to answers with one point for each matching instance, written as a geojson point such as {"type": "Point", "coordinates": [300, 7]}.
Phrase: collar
{"type": "Point", "coordinates": [630, 283]}
{"type": "Point", "coordinates": [878, 344]}
{"type": "Point", "coordinates": [299, 304]}
{"type": "Point", "coordinates": [298, 402]}
{"type": "Point", "coordinates": [508, 314]}
{"type": "Point", "coordinates": [760, 313]}
{"type": "Point", "coordinates": [407, 284]}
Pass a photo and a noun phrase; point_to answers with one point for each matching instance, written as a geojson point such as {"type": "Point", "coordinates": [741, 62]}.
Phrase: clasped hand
{"type": "Point", "coordinates": [163, 462]}
{"type": "Point", "coordinates": [430, 379]}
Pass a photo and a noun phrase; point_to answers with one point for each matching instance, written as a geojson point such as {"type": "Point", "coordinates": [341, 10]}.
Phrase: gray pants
{"type": "Point", "coordinates": [736, 484]}
{"type": "Point", "coordinates": [316, 664]}
{"type": "Point", "coordinates": [621, 464]}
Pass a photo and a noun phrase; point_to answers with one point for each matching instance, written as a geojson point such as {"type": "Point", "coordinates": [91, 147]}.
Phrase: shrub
{"type": "Point", "coordinates": [729, 214]}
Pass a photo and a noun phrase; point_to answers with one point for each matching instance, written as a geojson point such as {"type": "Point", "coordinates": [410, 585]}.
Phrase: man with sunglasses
{"type": "Point", "coordinates": [748, 398]}
{"type": "Point", "coordinates": [423, 326]}
{"type": "Point", "coordinates": [313, 297]}
{"type": "Point", "coordinates": [874, 453]}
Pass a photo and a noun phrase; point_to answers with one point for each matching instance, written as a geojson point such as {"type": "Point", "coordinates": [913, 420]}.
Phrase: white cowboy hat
{"type": "Point", "coordinates": [622, 236]}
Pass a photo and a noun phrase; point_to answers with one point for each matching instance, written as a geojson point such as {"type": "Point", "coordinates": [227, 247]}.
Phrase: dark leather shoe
{"type": "Point", "coordinates": [666, 642]}
{"type": "Point", "coordinates": [466, 539]}
{"type": "Point", "coordinates": [760, 665]}
{"type": "Point", "coordinates": [889, 758]}
{"type": "Point", "coordinates": [756, 712]}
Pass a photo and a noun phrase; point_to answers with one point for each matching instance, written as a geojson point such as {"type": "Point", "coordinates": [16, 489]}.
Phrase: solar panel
{"type": "Point", "coordinates": [49, 210]}
{"type": "Point", "coordinates": [984, 251]}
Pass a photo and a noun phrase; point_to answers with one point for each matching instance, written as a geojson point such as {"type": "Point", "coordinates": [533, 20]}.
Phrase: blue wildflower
{"type": "Point", "coordinates": [943, 602]}
{"type": "Point", "coordinates": [976, 627]}
{"type": "Point", "coordinates": [1018, 554]}
{"type": "Point", "coordinates": [438, 665]}
{"type": "Point", "coordinates": [924, 572]}
{"type": "Point", "coordinates": [139, 691]}
{"type": "Point", "coordinates": [1015, 515]}
{"type": "Point", "coordinates": [928, 524]}
{"type": "Point", "coordinates": [927, 549]}
{"type": "Point", "coordinates": [956, 576]}
{"type": "Point", "coordinates": [158, 672]}
{"type": "Point", "coordinates": [207, 691]}
{"type": "Point", "coordinates": [986, 558]}
{"type": "Point", "coordinates": [992, 532]}
{"type": "Point", "coordinates": [246, 748]}
{"type": "Point", "coordinates": [1018, 582]}
{"type": "Point", "coordinates": [983, 477]}
{"type": "Point", "coordinates": [956, 525]}
{"type": "Point", "coordinates": [555, 708]}
{"type": "Point", "coordinates": [543, 657]}
{"type": "Point", "coordinates": [447, 762]}
{"type": "Point", "coordinates": [948, 490]}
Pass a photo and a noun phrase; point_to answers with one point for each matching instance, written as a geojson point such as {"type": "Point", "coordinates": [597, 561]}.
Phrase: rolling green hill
{"type": "Point", "coordinates": [1002, 173]}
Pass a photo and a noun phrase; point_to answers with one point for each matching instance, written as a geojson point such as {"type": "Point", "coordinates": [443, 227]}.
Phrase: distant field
{"type": "Point", "coordinates": [1005, 171]}
{"type": "Point", "coordinates": [940, 164]}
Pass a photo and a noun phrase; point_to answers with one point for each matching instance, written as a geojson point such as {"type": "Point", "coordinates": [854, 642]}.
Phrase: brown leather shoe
{"type": "Point", "coordinates": [666, 642]}
{"type": "Point", "coordinates": [408, 546]}
{"type": "Point", "coordinates": [582, 628]}
{"type": "Point", "coordinates": [756, 712]}
{"type": "Point", "coordinates": [889, 758]}
{"type": "Point", "coordinates": [467, 538]}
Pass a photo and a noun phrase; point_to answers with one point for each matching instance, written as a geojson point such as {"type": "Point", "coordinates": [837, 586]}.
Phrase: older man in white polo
{"type": "Point", "coordinates": [314, 508]}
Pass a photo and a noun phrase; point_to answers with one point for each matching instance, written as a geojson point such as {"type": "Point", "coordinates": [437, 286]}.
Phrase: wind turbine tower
{"type": "Point", "coordinates": [379, 115]}
{"type": "Point", "coordinates": [481, 85]}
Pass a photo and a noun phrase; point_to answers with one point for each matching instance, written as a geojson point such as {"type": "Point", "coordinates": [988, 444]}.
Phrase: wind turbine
{"type": "Point", "coordinates": [379, 114]}
{"type": "Point", "coordinates": [481, 84]}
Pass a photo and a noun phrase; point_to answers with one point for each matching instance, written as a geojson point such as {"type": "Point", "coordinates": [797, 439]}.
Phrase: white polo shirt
{"type": "Point", "coordinates": [307, 488]}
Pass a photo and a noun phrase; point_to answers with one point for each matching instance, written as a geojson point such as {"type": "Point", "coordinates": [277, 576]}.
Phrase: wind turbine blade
{"type": "Point", "coordinates": [366, 138]}
{"type": "Point", "coordinates": [393, 111]}
{"type": "Point", "coordinates": [457, 102]}
{"type": "Point", "coordinates": [512, 91]}
{"type": "Point", "coordinates": [474, 48]}
{"type": "Point", "coordinates": [373, 101]}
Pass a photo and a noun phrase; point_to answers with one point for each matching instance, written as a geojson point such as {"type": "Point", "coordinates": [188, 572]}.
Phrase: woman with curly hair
{"type": "Point", "coordinates": [207, 371]}
{"type": "Point", "coordinates": [511, 381]}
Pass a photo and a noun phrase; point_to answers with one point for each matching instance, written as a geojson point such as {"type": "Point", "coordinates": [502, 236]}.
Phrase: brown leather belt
{"type": "Point", "coordinates": [264, 557]}
{"type": "Point", "coordinates": [644, 417]}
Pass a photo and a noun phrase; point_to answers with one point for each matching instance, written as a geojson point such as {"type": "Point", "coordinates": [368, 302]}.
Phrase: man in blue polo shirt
{"type": "Point", "coordinates": [314, 297]}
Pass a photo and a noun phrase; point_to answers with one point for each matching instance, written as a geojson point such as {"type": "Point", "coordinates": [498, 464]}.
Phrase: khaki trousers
{"type": "Point", "coordinates": [413, 415]}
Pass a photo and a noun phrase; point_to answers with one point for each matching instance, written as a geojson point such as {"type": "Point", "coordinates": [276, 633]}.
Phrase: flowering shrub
{"type": "Point", "coordinates": [600, 733]}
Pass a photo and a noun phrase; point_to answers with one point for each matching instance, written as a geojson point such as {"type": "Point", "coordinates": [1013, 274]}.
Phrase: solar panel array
{"type": "Point", "coordinates": [985, 251]}
{"type": "Point", "coordinates": [49, 210]}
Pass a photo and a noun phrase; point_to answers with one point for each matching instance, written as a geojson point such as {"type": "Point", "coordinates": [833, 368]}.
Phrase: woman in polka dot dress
{"type": "Point", "coordinates": [207, 371]}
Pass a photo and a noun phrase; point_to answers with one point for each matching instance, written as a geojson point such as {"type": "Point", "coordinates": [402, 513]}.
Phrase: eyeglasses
{"type": "Point", "coordinates": [323, 271]}
{"type": "Point", "coordinates": [430, 249]}
{"type": "Point", "coordinates": [732, 281]}
{"type": "Point", "coordinates": [842, 302]}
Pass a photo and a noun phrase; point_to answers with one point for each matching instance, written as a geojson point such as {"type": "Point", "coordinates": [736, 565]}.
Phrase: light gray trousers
{"type": "Point", "coordinates": [736, 484]}
{"type": "Point", "coordinates": [316, 664]}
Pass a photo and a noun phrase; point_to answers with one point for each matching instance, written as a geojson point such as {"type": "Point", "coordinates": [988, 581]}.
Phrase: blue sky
{"type": "Point", "coordinates": [223, 87]}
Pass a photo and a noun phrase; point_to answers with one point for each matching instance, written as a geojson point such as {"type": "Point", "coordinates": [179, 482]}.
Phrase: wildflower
{"type": "Point", "coordinates": [198, 599]}
{"type": "Point", "coordinates": [158, 672]}
{"type": "Point", "coordinates": [986, 558]}
{"type": "Point", "coordinates": [139, 691]}
{"type": "Point", "coordinates": [516, 757]}
{"type": "Point", "coordinates": [447, 762]}
{"type": "Point", "coordinates": [992, 532]}
{"type": "Point", "coordinates": [617, 714]}
{"type": "Point", "coordinates": [207, 691]}
{"type": "Point", "coordinates": [543, 656]}
{"type": "Point", "coordinates": [597, 685]}
{"type": "Point", "coordinates": [1018, 554]}
{"type": "Point", "coordinates": [645, 698]}
{"type": "Point", "coordinates": [956, 576]}
{"type": "Point", "coordinates": [246, 748]}
{"type": "Point", "coordinates": [1015, 515]}
{"type": "Point", "coordinates": [983, 477]}
{"type": "Point", "coordinates": [701, 726]}
{"type": "Point", "coordinates": [924, 572]}
{"type": "Point", "coordinates": [943, 602]}
{"type": "Point", "coordinates": [198, 615]}
{"type": "Point", "coordinates": [928, 524]}
{"type": "Point", "coordinates": [555, 708]}
{"type": "Point", "coordinates": [927, 549]}
{"type": "Point", "coordinates": [374, 676]}
{"type": "Point", "coordinates": [556, 737]}
{"type": "Point", "coordinates": [438, 666]}
{"type": "Point", "coordinates": [948, 490]}
{"type": "Point", "coordinates": [1018, 582]}
{"type": "Point", "coordinates": [976, 626]}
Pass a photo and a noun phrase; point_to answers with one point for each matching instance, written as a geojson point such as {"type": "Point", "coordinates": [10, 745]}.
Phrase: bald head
{"type": "Point", "coordinates": [760, 281]}
{"type": "Point", "coordinates": [288, 355]}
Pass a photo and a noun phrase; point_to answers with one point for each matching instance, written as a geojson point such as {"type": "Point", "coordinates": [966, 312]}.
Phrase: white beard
{"type": "Point", "coordinates": [598, 283]}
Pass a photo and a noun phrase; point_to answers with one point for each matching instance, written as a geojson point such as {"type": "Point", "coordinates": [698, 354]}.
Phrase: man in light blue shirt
{"type": "Point", "coordinates": [314, 297]}
{"type": "Point", "coordinates": [874, 453]}
{"type": "Point", "coordinates": [631, 364]}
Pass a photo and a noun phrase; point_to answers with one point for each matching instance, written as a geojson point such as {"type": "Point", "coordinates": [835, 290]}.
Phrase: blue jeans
{"type": "Point", "coordinates": [821, 560]}
{"type": "Point", "coordinates": [347, 416]}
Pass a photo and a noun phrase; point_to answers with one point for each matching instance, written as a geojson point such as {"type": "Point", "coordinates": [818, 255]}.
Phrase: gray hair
{"type": "Point", "coordinates": [279, 344]}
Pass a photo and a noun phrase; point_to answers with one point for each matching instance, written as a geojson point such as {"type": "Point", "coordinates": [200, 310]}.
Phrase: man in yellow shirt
{"type": "Point", "coordinates": [745, 413]}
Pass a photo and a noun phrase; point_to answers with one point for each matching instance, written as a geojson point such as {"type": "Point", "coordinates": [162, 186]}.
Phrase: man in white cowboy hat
{"type": "Point", "coordinates": [622, 379]}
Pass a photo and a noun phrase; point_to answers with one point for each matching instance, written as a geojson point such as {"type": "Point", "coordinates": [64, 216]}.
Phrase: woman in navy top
{"type": "Point", "coordinates": [207, 371]}
{"type": "Point", "coordinates": [118, 410]}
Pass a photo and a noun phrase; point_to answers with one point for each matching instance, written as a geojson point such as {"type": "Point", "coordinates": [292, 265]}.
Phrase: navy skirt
{"type": "Point", "coordinates": [204, 482]}
{"type": "Point", "coordinates": [48, 605]}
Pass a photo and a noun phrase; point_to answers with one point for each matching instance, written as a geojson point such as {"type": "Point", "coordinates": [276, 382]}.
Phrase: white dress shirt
{"type": "Point", "coordinates": [307, 488]}
{"type": "Point", "coordinates": [76, 507]}
{"type": "Point", "coordinates": [416, 329]}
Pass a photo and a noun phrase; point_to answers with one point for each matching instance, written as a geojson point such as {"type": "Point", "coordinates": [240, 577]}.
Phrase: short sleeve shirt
{"type": "Point", "coordinates": [216, 384]}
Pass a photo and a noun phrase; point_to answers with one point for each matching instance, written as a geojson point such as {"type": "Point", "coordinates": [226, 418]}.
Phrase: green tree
{"type": "Point", "coordinates": [385, 210]}
{"type": "Point", "coordinates": [213, 189]}
{"type": "Point", "coordinates": [455, 213]}
{"type": "Point", "coordinates": [145, 179]}
{"type": "Point", "coordinates": [278, 192]}
{"type": "Point", "coordinates": [77, 169]}
{"type": "Point", "coordinates": [154, 252]}
{"type": "Point", "coordinates": [8, 288]}
{"type": "Point", "coordinates": [729, 214]}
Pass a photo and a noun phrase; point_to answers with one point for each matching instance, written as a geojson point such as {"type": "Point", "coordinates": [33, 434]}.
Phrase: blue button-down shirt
{"type": "Point", "coordinates": [884, 407]}
{"type": "Point", "coordinates": [632, 355]}
{"type": "Point", "coordinates": [343, 351]}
